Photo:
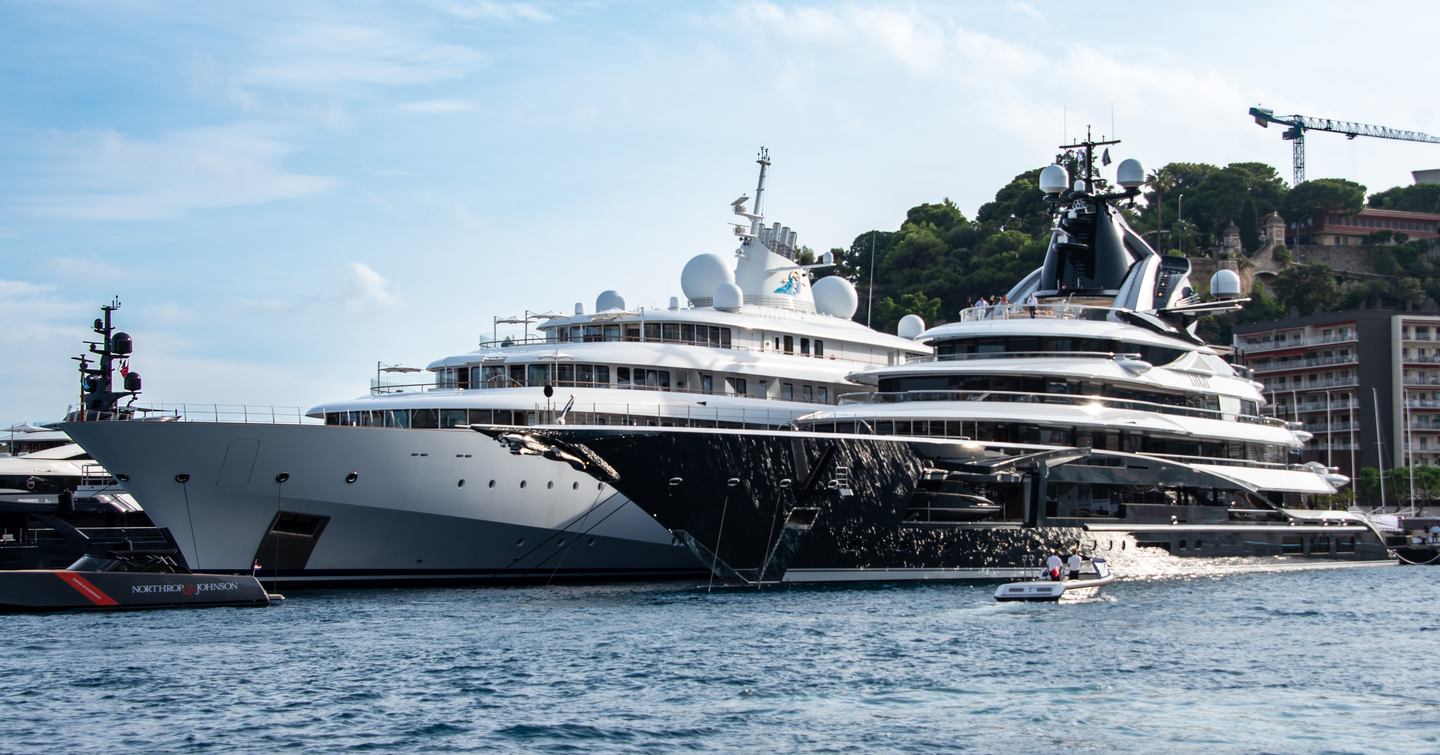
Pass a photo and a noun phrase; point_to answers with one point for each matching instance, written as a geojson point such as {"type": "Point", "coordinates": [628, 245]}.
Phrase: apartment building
{"type": "Point", "coordinates": [1364, 382]}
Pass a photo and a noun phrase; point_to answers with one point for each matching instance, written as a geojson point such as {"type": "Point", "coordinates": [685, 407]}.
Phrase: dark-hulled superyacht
{"type": "Point", "coordinates": [1085, 417]}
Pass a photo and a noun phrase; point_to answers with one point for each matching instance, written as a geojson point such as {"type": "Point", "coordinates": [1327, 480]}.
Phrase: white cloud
{"type": "Point", "coordinates": [439, 106]}
{"type": "Point", "coordinates": [1025, 9]}
{"type": "Point", "coordinates": [492, 9]}
{"type": "Point", "coordinates": [329, 56]}
{"type": "Point", "coordinates": [106, 175]}
{"type": "Point", "coordinates": [368, 288]}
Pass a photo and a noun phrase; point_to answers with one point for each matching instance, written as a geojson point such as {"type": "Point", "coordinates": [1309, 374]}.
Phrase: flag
{"type": "Point", "coordinates": [124, 368]}
{"type": "Point", "coordinates": [1105, 157]}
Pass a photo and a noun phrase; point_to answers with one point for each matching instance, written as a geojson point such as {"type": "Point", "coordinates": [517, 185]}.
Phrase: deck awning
{"type": "Point", "coordinates": [1277, 480]}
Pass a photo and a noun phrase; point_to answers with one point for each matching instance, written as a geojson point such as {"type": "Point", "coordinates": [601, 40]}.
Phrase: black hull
{"type": "Point", "coordinates": [760, 507]}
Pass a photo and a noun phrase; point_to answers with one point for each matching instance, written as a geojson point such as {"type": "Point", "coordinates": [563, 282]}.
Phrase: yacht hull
{"type": "Point", "coordinates": [315, 504]}
{"type": "Point", "coordinates": [802, 507]}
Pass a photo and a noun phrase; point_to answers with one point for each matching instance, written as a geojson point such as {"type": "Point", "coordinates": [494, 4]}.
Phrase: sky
{"type": "Point", "coordinates": [283, 194]}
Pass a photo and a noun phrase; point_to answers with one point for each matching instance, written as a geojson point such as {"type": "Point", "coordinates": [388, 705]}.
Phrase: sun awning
{"type": "Point", "coordinates": [1278, 480]}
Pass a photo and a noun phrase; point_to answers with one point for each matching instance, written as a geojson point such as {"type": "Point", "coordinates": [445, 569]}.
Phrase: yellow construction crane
{"type": "Point", "coordinates": [1299, 124]}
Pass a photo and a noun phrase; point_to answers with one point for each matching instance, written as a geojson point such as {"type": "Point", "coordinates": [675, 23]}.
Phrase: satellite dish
{"type": "Point", "coordinates": [827, 258]}
{"type": "Point", "coordinates": [911, 326]}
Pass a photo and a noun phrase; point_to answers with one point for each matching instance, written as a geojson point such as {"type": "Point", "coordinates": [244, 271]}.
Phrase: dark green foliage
{"type": "Point", "coordinates": [1417, 198]}
{"type": "Point", "coordinates": [1315, 198]}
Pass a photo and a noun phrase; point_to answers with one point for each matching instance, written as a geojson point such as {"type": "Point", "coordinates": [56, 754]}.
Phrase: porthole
{"type": "Point", "coordinates": [574, 486]}
{"type": "Point", "coordinates": [599, 486]}
{"type": "Point", "coordinates": [1182, 545]}
{"type": "Point", "coordinates": [492, 483]}
{"type": "Point", "coordinates": [591, 543]}
{"type": "Point", "coordinates": [523, 483]}
{"type": "Point", "coordinates": [1122, 545]}
{"type": "Point", "coordinates": [460, 484]}
{"type": "Point", "coordinates": [352, 477]}
{"type": "Point", "coordinates": [549, 484]}
{"type": "Point", "coordinates": [560, 543]}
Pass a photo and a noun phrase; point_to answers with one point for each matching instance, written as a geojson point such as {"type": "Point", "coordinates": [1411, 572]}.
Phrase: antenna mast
{"type": "Point", "coordinates": [1089, 146]}
{"type": "Point", "coordinates": [764, 160]}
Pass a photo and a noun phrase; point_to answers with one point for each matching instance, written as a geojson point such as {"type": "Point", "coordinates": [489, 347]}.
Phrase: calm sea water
{"type": "Point", "coordinates": [1308, 661]}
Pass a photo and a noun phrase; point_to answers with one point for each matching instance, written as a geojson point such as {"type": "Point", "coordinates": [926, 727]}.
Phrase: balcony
{"type": "Point", "coordinates": [1300, 364]}
{"type": "Point", "coordinates": [1252, 347]}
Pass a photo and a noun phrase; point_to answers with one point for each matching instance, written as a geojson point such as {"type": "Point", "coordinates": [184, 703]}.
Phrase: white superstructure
{"type": "Point", "coordinates": [394, 486]}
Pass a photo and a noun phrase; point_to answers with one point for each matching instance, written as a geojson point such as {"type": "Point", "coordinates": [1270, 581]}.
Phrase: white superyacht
{"type": "Point", "coordinates": [393, 487]}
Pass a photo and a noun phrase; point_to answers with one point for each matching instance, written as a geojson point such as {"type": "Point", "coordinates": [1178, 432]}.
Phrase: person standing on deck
{"type": "Point", "coordinates": [1052, 566]}
{"type": "Point", "coordinates": [1073, 564]}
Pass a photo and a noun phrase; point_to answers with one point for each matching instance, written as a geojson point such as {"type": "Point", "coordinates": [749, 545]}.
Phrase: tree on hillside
{"type": "Point", "coordinates": [1416, 198]}
{"type": "Point", "coordinates": [1313, 199]}
{"type": "Point", "coordinates": [888, 311]}
{"type": "Point", "coordinates": [1308, 289]}
{"type": "Point", "coordinates": [1018, 206]}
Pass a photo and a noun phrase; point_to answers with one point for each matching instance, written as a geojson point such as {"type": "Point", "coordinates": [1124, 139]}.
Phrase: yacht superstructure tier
{"type": "Point", "coordinates": [393, 486]}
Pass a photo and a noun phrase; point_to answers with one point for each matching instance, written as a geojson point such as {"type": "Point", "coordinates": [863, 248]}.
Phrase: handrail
{"type": "Point", "coordinates": [834, 349]}
{"type": "Point", "coordinates": [1019, 355]}
{"type": "Point", "coordinates": [239, 413]}
{"type": "Point", "coordinates": [559, 387]}
{"type": "Point", "coordinates": [895, 397]}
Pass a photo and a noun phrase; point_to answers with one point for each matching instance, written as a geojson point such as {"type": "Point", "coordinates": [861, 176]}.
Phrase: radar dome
{"type": "Point", "coordinates": [835, 296]}
{"type": "Point", "coordinates": [911, 326]}
{"type": "Point", "coordinates": [609, 300]}
{"type": "Point", "coordinates": [1225, 284]}
{"type": "Point", "coordinates": [1130, 174]}
{"type": "Point", "coordinates": [703, 273]}
{"type": "Point", "coordinates": [1054, 179]}
{"type": "Point", "coordinates": [728, 297]}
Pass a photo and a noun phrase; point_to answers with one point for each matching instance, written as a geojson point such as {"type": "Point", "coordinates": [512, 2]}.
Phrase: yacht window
{"type": "Point", "coordinates": [481, 416]}
{"type": "Point", "coordinates": [562, 334]}
{"type": "Point", "coordinates": [687, 333]}
{"type": "Point", "coordinates": [804, 346]}
{"type": "Point", "coordinates": [819, 348]}
{"type": "Point", "coordinates": [622, 377]}
{"type": "Point", "coordinates": [397, 418]}
{"type": "Point", "coordinates": [584, 374]}
{"type": "Point", "coordinates": [807, 393]}
{"type": "Point", "coordinates": [724, 338]}
{"type": "Point", "coordinates": [652, 331]}
{"type": "Point", "coordinates": [565, 374]}
{"type": "Point", "coordinates": [539, 374]}
{"type": "Point", "coordinates": [424, 419]}
{"type": "Point", "coordinates": [670, 331]}
{"type": "Point", "coordinates": [789, 344]}
{"type": "Point", "coordinates": [707, 384]}
{"type": "Point", "coordinates": [735, 386]}
{"type": "Point", "coordinates": [632, 331]}
{"type": "Point", "coordinates": [517, 375]}
{"type": "Point", "coordinates": [787, 391]}
{"type": "Point", "coordinates": [612, 332]}
{"type": "Point", "coordinates": [764, 389]}
{"type": "Point", "coordinates": [777, 343]}
{"type": "Point", "coordinates": [477, 377]}
{"type": "Point", "coordinates": [822, 394]}
{"type": "Point", "coordinates": [451, 418]}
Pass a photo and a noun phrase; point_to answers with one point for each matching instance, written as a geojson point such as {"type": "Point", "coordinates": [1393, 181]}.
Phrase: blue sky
{"type": "Point", "coordinates": [283, 194]}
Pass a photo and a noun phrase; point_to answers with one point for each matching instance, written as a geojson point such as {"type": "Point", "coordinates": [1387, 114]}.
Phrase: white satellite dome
{"type": "Point", "coordinates": [835, 296]}
{"type": "Point", "coordinates": [1225, 284]}
{"type": "Point", "coordinates": [1054, 179]}
{"type": "Point", "coordinates": [609, 299]}
{"type": "Point", "coordinates": [1130, 174]}
{"type": "Point", "coordinates": [910, 327]}
{"type": "Point", "coordinates": [728, 296]}
{"type": "Point", "coordinates": [703, 273]}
